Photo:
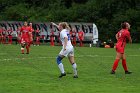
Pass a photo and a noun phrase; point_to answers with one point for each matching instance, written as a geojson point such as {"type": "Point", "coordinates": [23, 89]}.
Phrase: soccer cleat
{"type": "Point", "coordinates": [22, 53]}
{"type": "Point", "coordinates": [75, 76]}
{"type": "Point", "coordinates": [62, 74]}
{"type": "Point", "coordinates": [112, 72]}
{"type": "Point", "coordinates": [27, 53]}
{"type": "Point", "coordinates": [128, 72]}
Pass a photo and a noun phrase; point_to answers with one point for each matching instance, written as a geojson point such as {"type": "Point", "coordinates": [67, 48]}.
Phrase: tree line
{"type": "Point", "coordinates": [106, 14]}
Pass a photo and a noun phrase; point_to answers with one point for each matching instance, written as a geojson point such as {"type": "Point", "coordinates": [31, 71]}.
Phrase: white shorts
{"type": "Point", "coordinates": [68, 52]}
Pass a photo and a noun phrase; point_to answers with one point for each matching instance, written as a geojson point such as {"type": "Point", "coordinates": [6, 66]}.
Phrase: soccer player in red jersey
{"type": "Point", "coordinates": [9, 31]}
{"type": "Point", "coordinates": [121, 37]}
{"type": "Point", "coordinates": [81, 37]}
{"type": "Point", "coordinates": [18, 35]}
{"type": "Point", "coordinates": [31, 27]}
{"type": "Point", "coordinates": [51, 36]}
{"type": "Point", "coordinates": [73, 37]}
{"type": "Point", "coordinates": [4, 34]}
{"type": "Point", "coordinates": [1, 35]}
{"type": "Point", "coordinates": [26, 37]}
{"type": "Point", "coordinates": [37, 36]}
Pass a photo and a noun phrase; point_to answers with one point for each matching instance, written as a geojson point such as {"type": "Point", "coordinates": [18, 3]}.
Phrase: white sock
{"type": "Point", "coordinates": [74, 68]}
{"type": "Point", "coordinates": [61, 67]}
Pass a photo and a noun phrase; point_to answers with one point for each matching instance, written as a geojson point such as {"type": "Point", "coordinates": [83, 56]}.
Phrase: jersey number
{"type": "Point", "coordinates": [68, 36]}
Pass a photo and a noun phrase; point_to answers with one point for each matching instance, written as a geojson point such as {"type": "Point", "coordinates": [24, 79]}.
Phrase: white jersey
{"type": "Point", "coordinates": [69, 48]}
{"type": "Point", "coordinates": [65, 33]}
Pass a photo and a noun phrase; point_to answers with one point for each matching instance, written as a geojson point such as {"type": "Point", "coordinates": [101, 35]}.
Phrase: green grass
{"type": "Point", "coordinates": [38, 71]}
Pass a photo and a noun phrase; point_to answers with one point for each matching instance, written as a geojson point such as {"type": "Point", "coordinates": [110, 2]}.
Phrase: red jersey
{"type": "Point", "coordinates": [0, 31]}
{"type": "Point", "coordinates": [122, 36]}
{"type": "Point", "coordinates": [73, 34]}
{"type": "Point", "coordinates": [31, 29]}
{"type": "Point", "coordinates": [37, 33]}
{"type": "Point", "coordinates": [25, 30]}
{"type": "Point", "coordinates": [81, 35]}
{"type": "Point", "coordinates": [9, 31]}
{"type": "Point", "coordinates": [3, 32]}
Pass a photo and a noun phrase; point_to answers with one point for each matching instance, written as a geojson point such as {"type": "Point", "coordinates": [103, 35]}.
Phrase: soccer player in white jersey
{"type": "Point", "coordinates": [67, 49]}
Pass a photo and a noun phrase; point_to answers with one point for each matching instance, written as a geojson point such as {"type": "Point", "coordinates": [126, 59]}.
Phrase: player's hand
{"type": "Point", "coordinates": [64, 49]}
{"type": "Point", "coordinates": [53, 23]}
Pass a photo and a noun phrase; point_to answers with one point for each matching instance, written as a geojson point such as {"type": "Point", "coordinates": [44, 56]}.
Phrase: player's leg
{"type": "Point", "coordinates": [27, 47]}
{"type": "Point", "coordinates": [38, 40]}
{"type": "Point", "coordinates": [51, 41]}
{"type": "Point", "coordinates": [74, 41]}
{"type": "Point", "coordinates": [74, 66]}
{"type": "Point", "coordinates": [115, 64]}
{"type": "Point", "coordinates": [59, 58]}
{"type": "Point", "coordinates": [60, 65]}
{"type": "Point", "coordinates": [11, 39]}
{"type": "Point", "coordinates": [0, 39]}
{"type": "Point", "coordinates": [125, 65]}
{"type": "Point", "coordinates": [8, 39]}
{"type": "Point", "coordinates": [72, 61]}
{"type": "Point", "coordinates": [4, 39]}
{"type": "Point", "coordinates": [22, 47]}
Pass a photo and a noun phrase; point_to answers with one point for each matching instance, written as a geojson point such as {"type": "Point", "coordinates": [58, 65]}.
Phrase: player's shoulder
{"type": "Point", "coordinates": [64, 31]}
{"type": "Point", "coordinates": [126, 31]}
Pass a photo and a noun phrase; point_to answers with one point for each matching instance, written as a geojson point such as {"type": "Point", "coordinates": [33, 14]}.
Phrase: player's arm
{"type": "Point", "coordinates": [31, 36]}
{"type": "Point", "coordinates": [129, 38]}
{"type": "Point", "coordinates": [54, 24]}
{"type": "Point", "coordinates": [117, 36]}
{"type": "Point", "coordinates": [83, 36]}
{"type": "Point", "coordinates": [65, 42]}
{"type": "Point", "coordinates": [20, 31]}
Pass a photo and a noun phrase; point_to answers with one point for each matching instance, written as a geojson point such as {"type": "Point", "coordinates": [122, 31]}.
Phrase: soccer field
{"type": "Point", "coordinates": [37, 72]}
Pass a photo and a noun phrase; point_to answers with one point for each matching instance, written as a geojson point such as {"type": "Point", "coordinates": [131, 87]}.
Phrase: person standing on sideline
{"type": "Point", "coordinates": [1, 35]}
{"type": "Point", "coordinates": [18, 35]}
{"type": "Point", "coordinates": [4, 35]}
{"type": "Point", "coordinates": [32, 30]}
{"type": "Point", "coordinates": [74, 36]}
{"type": "Point", "coordinates": [121, 37]}
{"type": "Point", "coordinates": [10, 31]}
{"type": "Point", "coordinates": [26, 37]}
{"type": "Point", "coordinates": [52, 36]}
{"type": "Point", "coordinates": [67, 49]}
{"type": "Point", "coordinates": [37, 34]}
{"type": "Point", "coordinates": [81, 37]}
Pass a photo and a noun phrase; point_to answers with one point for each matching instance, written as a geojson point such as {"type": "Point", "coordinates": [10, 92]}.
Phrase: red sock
{"type": "Point", "coordinates": [27, 48]}
{"type": "Point", "coordinates": [115, 65]}
{"type": "Point", "coordinates": [124, 64]}
{"type": "Point", "coordinates": [22, 50]}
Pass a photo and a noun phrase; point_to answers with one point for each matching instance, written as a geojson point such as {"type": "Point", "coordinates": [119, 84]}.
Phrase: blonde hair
{"type": "Point", "coordinates": [65, 25]}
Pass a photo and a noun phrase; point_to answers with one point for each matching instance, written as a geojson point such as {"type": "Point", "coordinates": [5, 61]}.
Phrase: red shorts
{"type": "Point", "coordinates": [81, 39]}
{"type": "Point", "coordinates": [120, 49]}
{"type": "Point", "coordinates": [25, 40]}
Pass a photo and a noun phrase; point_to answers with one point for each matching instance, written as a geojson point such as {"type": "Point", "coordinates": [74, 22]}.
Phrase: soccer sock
{"type": "Point", "coordinates": [22, 50]}
{"type": "Point", "coordinates": [124, 64]}
{"type": "Point", "coordinates": [74, 68]}
{"type": "Point", "coordinates": [115, 65]}
{"type": "Point", "coordinates": [60, 65]}
{"type": "Point", "coordinates": [27, 48]}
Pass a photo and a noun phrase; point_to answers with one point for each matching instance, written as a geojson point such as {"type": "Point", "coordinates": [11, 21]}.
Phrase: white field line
{"type": "Point", "coordinates": [3, 53]}
{"type": "Point", "coordinates": [80, 56]}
